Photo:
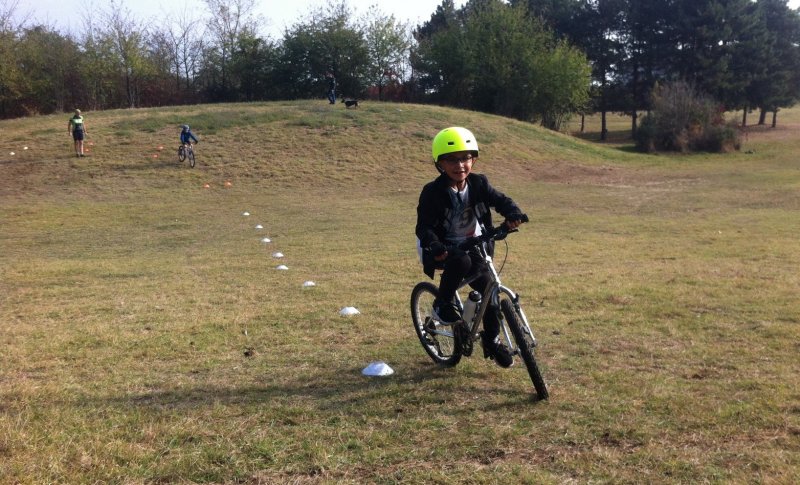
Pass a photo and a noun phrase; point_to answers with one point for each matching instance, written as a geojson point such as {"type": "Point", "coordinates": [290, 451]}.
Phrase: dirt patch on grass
{"type": "Point", "coordinates": [565, 172]}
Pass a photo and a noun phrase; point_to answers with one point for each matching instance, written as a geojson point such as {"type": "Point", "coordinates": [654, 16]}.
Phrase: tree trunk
{"type": "Point", "coordinates": [744, 117]}
{"type": "Point", "coordinates": [634, 122]}
{"type": "Point", "coordinates": [603, 129]}
{"type": "Point", "coordinates": [762, 117]}
{"type": "Point", "coordinates": [583, 122]}
{"type": "Point", "coordinates": [775, 118]}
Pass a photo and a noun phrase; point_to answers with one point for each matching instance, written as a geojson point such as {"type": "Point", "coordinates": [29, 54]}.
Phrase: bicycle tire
{"type": "Point", "coordinates": [190, 155]}
{"type": "Point", "coordinates": [181, 153]}
{"type": "Point", "coordinates": [524, 344]}
{"type": "Point", "coordinates": [439, 344]}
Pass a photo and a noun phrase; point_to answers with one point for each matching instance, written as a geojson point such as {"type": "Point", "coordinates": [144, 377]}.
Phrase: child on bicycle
{"type": "Point", "coordinates": [187, 135]}
{"type": "Point", "coordinates": [452, 208]}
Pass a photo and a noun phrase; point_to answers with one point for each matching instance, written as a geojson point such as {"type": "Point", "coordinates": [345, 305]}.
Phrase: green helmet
{"type": "Point", "coordinates": [454, 139]}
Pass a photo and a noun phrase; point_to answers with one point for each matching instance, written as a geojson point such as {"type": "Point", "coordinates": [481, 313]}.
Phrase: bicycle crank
{"type": "Point", "coordinates": [462, 337]}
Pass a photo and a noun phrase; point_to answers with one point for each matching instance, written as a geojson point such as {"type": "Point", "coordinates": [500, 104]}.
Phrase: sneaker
{"type": "Point", "coordinates": [493, 349]}
{"type": "Point", "coordinates": [445, 312]}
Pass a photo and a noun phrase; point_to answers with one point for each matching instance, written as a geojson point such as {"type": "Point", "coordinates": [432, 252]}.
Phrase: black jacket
{"type": "Point", "coordinates": [435, 205]}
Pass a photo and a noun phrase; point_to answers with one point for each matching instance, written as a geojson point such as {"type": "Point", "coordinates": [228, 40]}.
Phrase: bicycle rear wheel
{"type": "Point", "coordinates": [181, 153]}
{"type": "Point", "coordinates": [190, 155]}
{"type": "Point", "coordinates": [523, 343]}
{"type": "Point", "coordinates": [436, 338]}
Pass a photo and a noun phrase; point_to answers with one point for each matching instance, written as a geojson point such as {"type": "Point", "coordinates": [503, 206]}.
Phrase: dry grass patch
{"type": "Point", "coordinates": [149, 338]}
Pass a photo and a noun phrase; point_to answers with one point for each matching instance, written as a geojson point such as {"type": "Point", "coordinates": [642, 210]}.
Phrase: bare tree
{"type": "Point", "coordinates": [184, 37]}
{"type": "Point", "coordinates": [127, 37]}
{"type": "Point", "coordinates": [8, 16]}
{"type": "Point", "coordinates": [229, 18]}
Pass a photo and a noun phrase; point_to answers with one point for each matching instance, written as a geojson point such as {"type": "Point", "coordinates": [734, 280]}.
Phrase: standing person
{"type": "Point", "coordinates": [77, 128]}
{"type": "Point", "coordinates": [452, 208]}
{"type": "Point", "coordinates": [331, 87]}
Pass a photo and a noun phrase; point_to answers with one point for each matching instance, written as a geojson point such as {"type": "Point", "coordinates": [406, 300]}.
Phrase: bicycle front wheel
{"type": "Point", "coordinates": [190, 155]}
{"type": "Point", "coordinates": [436, 338]}
{"type": "Point", "coordinates": [523, 342]}
{"type": "Point", "coordinates": [181, 153]}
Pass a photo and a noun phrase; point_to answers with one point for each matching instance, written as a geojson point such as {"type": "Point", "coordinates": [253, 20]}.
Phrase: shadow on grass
{"type": "Point", "coordinates": [419, 386]}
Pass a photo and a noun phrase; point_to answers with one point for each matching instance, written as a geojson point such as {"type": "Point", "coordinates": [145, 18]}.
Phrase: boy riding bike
{"type": "Point", "coordinates": [187, 135]}
{"type": "Point", "coordinates": [452, 208]}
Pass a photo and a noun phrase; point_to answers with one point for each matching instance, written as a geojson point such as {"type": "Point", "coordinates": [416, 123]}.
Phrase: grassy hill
{"type": "Point", "coordinates": [148, 337]}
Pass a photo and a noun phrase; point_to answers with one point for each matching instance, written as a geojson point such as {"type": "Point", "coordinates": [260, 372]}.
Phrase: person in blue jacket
{"type": "Point", "coordinates": [187, 135]}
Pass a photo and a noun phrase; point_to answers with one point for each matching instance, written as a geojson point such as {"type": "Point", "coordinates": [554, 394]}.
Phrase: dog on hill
{"type": "Point", "coordinates": [350, 103]}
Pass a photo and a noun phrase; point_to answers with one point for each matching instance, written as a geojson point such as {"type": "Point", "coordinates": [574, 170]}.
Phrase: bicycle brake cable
{"type": "Point", "coordinates": [505, 257]}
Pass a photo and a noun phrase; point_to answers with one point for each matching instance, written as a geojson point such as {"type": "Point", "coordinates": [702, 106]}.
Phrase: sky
{"type": "Point", "coordinates": [66, 15]}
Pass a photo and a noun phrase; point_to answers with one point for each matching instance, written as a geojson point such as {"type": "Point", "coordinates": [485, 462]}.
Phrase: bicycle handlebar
{"type": "Point", "coordinates": [495, 233]}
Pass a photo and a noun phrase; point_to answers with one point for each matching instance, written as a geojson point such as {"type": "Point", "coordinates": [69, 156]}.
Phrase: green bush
{"type": "Point", "coordinates": [685, 120]}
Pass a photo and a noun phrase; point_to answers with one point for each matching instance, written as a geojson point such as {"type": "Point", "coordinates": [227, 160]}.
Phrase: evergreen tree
{"type": "Point", "coordinates": [777, 83]}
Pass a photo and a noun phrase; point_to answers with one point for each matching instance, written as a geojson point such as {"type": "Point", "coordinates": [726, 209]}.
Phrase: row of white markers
{"type": "Point", "coordinates": [377, 368]}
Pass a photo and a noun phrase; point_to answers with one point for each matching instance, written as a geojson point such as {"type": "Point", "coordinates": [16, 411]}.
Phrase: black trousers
{"type": "Point", "coordinates": [459, 265]}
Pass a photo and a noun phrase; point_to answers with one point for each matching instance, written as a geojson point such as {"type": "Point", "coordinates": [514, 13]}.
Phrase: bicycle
{"type": "Point", "coordinates": [446, 343]}
{"type": "Point", "coordinates": [185, 151]}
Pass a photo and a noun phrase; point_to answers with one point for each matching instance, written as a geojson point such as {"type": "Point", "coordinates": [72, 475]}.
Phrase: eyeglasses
{"type": "Point", "coordinates": [458, 160]}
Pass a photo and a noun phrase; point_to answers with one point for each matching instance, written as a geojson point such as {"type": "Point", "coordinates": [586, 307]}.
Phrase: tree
{"type": "Point", "coordinates": [126, 36]}
{"type": "Point", "coordinates": [184, 41]}
{"type": "Point", "coordinates": [97, 65]}
{"type": "Point", "coordinates": [602, 23]}
{"type": "Point", "coordinates": [229, 19]}
{"type": "Point", "coordinates": [712, 42]}
{"type": "Point", "coordinates": [438, 33]}
{"type": "Point", "coordinates": [48, 69]}
{"type": "Point", "coordinates": [777, 83]}
{"type": "Point", "coordinates": [388, 45]}
{"type": "Point", "coordinates": [647, 47]}
{"type": "Point", "coordinates": [562, 88]}
{"type": "Point", "coordinates": [11, 82]}
{"type": "Point", "coordinates": [326, 41]}
{"type": "Point", "coordinates": [493, 57]}
{"type": "Point", "coordinates": [558, 15]}
{"type": "Point", "coordinates": [251, 67]}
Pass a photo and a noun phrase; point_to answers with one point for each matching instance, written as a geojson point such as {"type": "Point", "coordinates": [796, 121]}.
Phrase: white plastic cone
{"type": "Point", "coordinates": [282, 267]}
{"type": "Point", "coordinates": [309, 284]}
{"type": "Point", "coordinates": [377, 369]}
{"type": "Point", "coordinates": [277, 255]}
{"type": "Point", "coordinates": [245, 213]}
{"type": "Point", "coordinates": [348, 310]}
{"type": "Point", "coordinates": [266, 240]}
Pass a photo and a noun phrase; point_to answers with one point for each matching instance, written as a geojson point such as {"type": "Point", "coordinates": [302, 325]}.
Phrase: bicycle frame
{"type": "Point", "coordinates": [491, 294]}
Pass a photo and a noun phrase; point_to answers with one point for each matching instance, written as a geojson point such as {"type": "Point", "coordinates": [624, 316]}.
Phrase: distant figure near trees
{"type": "Point", "coordinates": [77, 128]}
{"type": "Point", "coordinates": [331, 87]}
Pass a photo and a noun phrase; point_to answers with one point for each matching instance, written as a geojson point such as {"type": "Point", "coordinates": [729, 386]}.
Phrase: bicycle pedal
{"type": "Point", "coordinates": [463, 339]}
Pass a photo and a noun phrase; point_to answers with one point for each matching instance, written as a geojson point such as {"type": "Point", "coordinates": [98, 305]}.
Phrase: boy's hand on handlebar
{"type": "Point", "coordinates": [514, 220]}
{"type": "Point", "coordinates": [511, 225]}
{"type": "Point", "coordinates": [439, 251]}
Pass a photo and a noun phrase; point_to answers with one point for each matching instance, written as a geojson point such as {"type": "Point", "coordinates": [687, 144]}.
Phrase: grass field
{"type": "Point", "coordinates": [148, 337]}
